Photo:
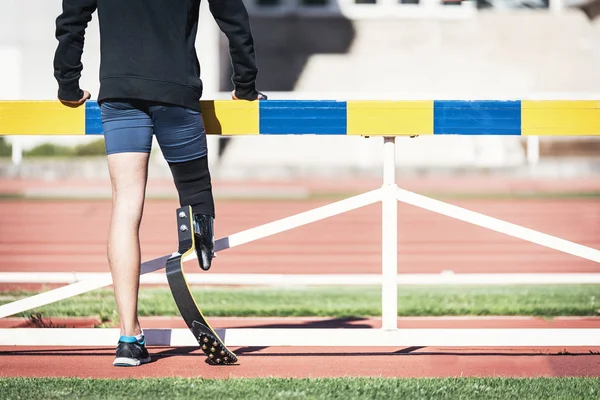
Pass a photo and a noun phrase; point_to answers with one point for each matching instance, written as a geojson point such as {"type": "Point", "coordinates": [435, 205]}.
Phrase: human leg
{"type": "Point", "coordinates": [128, 138]}
{"type": "Point", "coordinates": [182, 138]}
{"type": "Point", "coordinates": [128, 177]}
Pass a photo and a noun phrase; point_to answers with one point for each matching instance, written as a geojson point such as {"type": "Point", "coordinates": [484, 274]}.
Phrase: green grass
{"type": "Point", "coordinates": [92, 148]}
{"type": "Point", "coordinates": [5, 148]}
{"type": "Point", "coordinates": [545, 301]}
{"type": "Point", "coordinates": [305, 389]}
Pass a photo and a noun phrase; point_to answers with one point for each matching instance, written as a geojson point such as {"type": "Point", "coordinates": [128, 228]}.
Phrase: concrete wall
{"type": "Point", "coordinates": [508, 54]}
{"type": "Point", "coordinates": [517, 54]}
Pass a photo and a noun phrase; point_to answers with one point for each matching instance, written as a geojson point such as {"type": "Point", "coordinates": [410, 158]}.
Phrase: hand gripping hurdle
{"type": "Point", "coordinates": [387, 119]}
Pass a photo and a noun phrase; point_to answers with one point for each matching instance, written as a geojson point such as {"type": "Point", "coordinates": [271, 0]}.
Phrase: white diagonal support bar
{"type": "Point", "coordinates": [74, 289]}
{"type": "Point", "coordinates": [300, 337]}
{"type": "Point", "coordinates": [294, 221]}
{"type": "Point", "coordinates": [498, 225]}
{"type": "Point", "coordinates": [233, 240]}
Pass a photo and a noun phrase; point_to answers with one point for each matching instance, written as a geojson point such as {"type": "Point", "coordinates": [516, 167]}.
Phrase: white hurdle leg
{"type": "Point", "coordinates": [389, 237]}
{"type": "Point", "coordinates": [305, 337]}
{"type": "Point", "coordinates": [498, 225]}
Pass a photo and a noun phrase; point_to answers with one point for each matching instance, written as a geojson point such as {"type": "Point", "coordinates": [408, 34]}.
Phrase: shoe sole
{"type": "Point", "coordinates": [129, 362]}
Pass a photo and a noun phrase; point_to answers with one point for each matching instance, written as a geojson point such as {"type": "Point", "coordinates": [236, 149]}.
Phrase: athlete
{"type": "Point", "coordinates": [150, 85]}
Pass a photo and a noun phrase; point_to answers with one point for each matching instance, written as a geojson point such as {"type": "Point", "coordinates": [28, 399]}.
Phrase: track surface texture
{"type": "Point", "coordinates": [66, 236]}
{"type": "Point", "coordinates": [70, 236]}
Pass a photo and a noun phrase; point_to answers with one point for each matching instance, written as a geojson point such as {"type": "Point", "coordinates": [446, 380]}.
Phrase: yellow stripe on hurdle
{"type": "Point", "coordinates": [560, 118]}
{"type": "Point", "coordinates": [231, 117]}
{"type": "Point", "coordinates": [40, 118]}
{"type": "Point", "coordinates": [390, 118]}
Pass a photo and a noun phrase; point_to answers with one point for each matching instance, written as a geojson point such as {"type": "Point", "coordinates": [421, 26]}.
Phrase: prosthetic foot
{"type": "Point", "coordinates": [210, 343]}
{"type": "Point", "coordinates": [204, 239]}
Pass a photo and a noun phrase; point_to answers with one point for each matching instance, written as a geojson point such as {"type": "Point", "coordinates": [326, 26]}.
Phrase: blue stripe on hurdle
{"type": "Point", "coordinates": [456, 117]}
{"type": "Point", "coordinates": [93, 121]}
{"type": "Point", "coordinates": [303, 117]}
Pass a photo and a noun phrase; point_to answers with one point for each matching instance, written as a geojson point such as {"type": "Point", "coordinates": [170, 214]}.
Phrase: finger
{"type": "Point", "coordinates": [259, 96]}
{"type": "Point", "coordinates": [70, 104]}
{"type": "Point", "coordinates": [75, 103]}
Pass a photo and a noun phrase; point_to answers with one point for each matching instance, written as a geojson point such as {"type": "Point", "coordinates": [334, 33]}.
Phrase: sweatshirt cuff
{"type": "Point", "coordinates": [246, 91]}
{"type": "Point", "coordinates": [70, 91]}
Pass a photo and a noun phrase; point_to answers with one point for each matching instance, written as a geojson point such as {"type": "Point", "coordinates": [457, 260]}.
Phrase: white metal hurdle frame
{"type": "Point", "coordinates": [388, 335]}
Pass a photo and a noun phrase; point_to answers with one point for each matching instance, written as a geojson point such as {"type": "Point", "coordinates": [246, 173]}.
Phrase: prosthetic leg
{"type": "Point", "coordinates": [210, 343]}
{"type": "Point", "coordinates": [194, 187]}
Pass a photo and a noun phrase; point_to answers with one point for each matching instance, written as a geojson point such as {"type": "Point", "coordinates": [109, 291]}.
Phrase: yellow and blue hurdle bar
{"type": "Point", "coordinates": [328, 117]}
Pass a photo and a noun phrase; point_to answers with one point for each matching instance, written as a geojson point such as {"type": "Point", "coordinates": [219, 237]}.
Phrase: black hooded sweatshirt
{"type": "Point", "coordinates": [147, 49]}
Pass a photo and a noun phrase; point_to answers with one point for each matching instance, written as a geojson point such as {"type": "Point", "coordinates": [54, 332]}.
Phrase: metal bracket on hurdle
{"type": "Point", "coordinates": [388, 335]}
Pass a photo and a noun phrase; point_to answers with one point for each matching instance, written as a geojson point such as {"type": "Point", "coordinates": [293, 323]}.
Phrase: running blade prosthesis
{"type": "Point", "coordinates": [210, 343]}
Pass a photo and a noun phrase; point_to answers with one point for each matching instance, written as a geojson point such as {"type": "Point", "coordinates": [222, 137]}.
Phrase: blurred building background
{"type": "Point", "coordinates": [354, 49]}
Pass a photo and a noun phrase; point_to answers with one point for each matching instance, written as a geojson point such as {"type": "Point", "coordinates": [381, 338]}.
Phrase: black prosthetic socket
{"type": "Point", "coordinates": [193, 183]}
{"type": "Point", "coordinates": [192, 180]}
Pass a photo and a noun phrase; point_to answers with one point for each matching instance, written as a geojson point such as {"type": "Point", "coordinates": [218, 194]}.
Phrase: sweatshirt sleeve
{"type": "Point", "coordinates": [233, 20]}
{"type": "Point", "coordinates": [70, 32]}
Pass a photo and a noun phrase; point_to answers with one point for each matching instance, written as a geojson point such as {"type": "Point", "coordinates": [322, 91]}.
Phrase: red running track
{"type": "Point", "coordinates": [319, 361]}
{"type": "Point", "coordinates": [66, 236]}
{"type": "Point", "coordinates": [71, 236]}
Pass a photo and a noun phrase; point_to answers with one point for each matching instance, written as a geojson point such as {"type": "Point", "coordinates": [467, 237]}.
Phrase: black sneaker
{"type": "Point", "coordinates": [204, 238]}
{"type": "Point", "coordinates": [131, 354]}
